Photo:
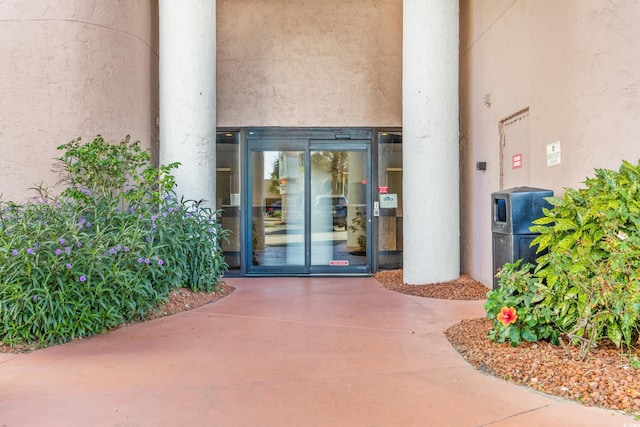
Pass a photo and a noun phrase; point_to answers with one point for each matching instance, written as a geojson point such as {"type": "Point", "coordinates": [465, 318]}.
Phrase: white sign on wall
{"type": "Point", "coordinates": [553, 154]}
{"type": "Point", "coordinates": [388, 201]}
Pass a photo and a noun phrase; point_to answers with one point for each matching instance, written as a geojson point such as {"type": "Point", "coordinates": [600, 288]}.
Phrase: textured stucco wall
{"type": "Point", "coordinates": [70, 69]}
{"type": "Point", "coordinates": [309, 63]}
{"type": "Point", "coordinates": [576, 65]}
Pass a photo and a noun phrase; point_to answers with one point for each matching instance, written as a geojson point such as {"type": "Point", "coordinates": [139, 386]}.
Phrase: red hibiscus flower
{"type": "Point", "coordinates": [507, 316]}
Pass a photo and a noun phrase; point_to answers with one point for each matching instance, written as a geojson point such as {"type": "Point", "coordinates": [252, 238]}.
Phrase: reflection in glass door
{"type": "Point", "coordinates": [338, 210]}
{"type": "Point", "coordinates": [277, 225]}
{"type": "Point", "coordinates": [390, 238]}
{"type": "Point", "coordinates": [309, 208]}
{"type": "Point", "coordinates": [228, 195]}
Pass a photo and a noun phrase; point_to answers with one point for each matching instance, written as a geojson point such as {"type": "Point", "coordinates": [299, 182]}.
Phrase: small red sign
{"type": "Point", "coordinates": [339, 262]}
{"type": "Point", "coordinates": [383, 190]}
{"type": "Point", "coordinates": [516, 161]}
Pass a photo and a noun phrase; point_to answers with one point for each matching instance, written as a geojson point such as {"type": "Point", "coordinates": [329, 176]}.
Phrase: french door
{"type": "Point", "coordinates": [309, 204]}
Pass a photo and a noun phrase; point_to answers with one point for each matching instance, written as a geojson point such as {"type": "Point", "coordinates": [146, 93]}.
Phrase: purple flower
{"type": "Point", "coordinates": [35, 245]}
{"type": "Point", "coordinates": [30, 251]}
{"type": "Point", "coordinates": [67, 249]}
{"type": "Point", "coordinates": [140, 216]}
{"type": "Point", "coordinates": [126, 248]}
{"type": "Point", "coordinates": [165, 214]}
{"type": "Point", "coordinates": [85, 191]}
{"type": "Point", "coordinates": [79, 244]}
{"type": "Point", "coordinates": [69, 266]}
{"type": "Point", "coordinates": [160, 262]}
{"type": "Point", "coordinates": [140, 260]}
{"type": "Point", "coordinates": [15, 252]}
{"type": "Point", "coordinates": [154, 225]}
{"type": "Point", "coordinates": [147, 260]}
{"type": "Point", "coordinates": [58, 251]}
{"type": "Point", "coordinates": [62, 241]}
{"type": "Point", "coordinates": [132, 210]}
{"type": "Point", "coordinates": [112, 251]}
{"type": "Point", "coordinates": [118, 248]}
{"type": "Point", "coordinates": [153, 218]}
{"type": "Point", "coordinates": [88, 224]}
{"type": "Point", "coordinates": [36, 297]}
{"type": "Point", "coordinates": [83, 279]}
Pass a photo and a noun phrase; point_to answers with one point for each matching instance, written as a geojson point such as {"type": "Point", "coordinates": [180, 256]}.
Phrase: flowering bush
{"type": "Point", "coordinates": [586, 286]}
{"type": "Point", "coordinates": [106, 251]}
{"type": "Point", "coordinates": [517, 307]}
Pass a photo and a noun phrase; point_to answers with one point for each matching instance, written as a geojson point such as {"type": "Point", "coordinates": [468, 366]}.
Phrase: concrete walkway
{"type": "Point", "coordinates": [280, 352]}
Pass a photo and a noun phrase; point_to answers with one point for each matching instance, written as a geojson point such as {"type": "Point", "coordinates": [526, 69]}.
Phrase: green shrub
{"type": "Point", "coordinates": [521, 291]}
{"type": "Point", "coordinates": [588, 273]}
{"type": "Point", "coordinates": [106, 251]}
{"type": "Point", "coordinates": [592, 265]}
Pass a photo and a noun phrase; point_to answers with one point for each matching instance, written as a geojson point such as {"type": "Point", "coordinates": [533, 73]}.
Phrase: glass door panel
{"type": "Point", "coordinates": [390, 239]}
{"type": "Point", "coordinates": [278, 221]}
{"type": "Point", "coordinates": [308, 202]}
{"type": "Point", "coordinates": [338, 214]}
{"type": "Point", "coordinates": [228, 195]}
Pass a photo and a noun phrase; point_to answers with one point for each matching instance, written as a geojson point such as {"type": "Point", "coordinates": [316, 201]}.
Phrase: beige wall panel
{"type": "Point", "coordinates": [309, 63]}
{"type": "Point", "coordinates": [576, 65]}
{"type": "Point", "coordinates": [70, 69]}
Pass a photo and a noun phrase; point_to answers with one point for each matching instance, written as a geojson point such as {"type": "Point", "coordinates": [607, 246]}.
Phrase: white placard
{"type": "Point", "coordinates": [553, 154]}
{"type": "Point", "coordinates": [235, 199]}
{"type": "Point", "coordinates": [388, 201]}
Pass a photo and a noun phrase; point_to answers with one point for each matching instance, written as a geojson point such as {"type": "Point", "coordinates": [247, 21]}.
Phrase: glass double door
{"type": "Point", "coordinates": [309, 208]}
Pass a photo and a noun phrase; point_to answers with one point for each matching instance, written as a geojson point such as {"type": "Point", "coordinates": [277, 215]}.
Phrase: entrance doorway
{"type": "Point", "coordinates": [309, 198]}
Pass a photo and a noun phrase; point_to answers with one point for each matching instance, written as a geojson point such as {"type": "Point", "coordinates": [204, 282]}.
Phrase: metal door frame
{"type": "Point", "coordinates": [305, 140]}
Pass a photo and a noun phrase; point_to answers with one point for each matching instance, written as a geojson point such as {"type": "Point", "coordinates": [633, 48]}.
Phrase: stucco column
{"type": "Point", "coordinates": [430, 141]}
{"type": "Point", "coordinates": [188, 95]}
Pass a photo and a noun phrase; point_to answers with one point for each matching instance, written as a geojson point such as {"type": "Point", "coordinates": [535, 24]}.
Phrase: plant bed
{"type": "Point", "coordinates": [463, 288]}
{"type": "Point", "coordinates": [608, 378]}
{"type": "Point", "coordinates": [105, 251]}
{"type": "Point", "coordinates": [179, 300]}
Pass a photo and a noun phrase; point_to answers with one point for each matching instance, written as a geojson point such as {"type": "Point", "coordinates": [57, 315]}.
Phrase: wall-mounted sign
{"type": "Point", "coordinates": [388, 201]}
{"type": "Point", "coordinates": [553, 154]}
{"type": "Point", "coordinates": [516, 161]}
{"type": "Point", "coordinates": [383, 190]}
{"type": "Point", "coordinates": [343, 262]}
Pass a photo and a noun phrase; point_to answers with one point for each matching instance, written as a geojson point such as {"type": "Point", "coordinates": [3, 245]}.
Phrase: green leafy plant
{"type": "Point", "coordinates": [586, 285]}
{"type": "Point", "coordinates": [359, 225]}
{"type": "Point", "coordinates": [107, 251]}
{"type": "Point", "coordinates": [516, 307]}
{"type": "Point", "coordinates": [592, 264]}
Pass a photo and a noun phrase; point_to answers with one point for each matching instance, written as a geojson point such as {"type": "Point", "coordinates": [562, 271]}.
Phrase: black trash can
{"type": "Point", "coordinates": [512, 213]}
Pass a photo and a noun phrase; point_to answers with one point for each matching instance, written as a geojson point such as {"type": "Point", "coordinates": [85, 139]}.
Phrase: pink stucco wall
{"type": "Point", "coordinates": [72, 68]}
{"type": "Point", "coordinates": [309, 63]}
{"type": "Point", "coordinates": [82, 67]}
{"type": "Point", "coordinates": [575, 65]}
